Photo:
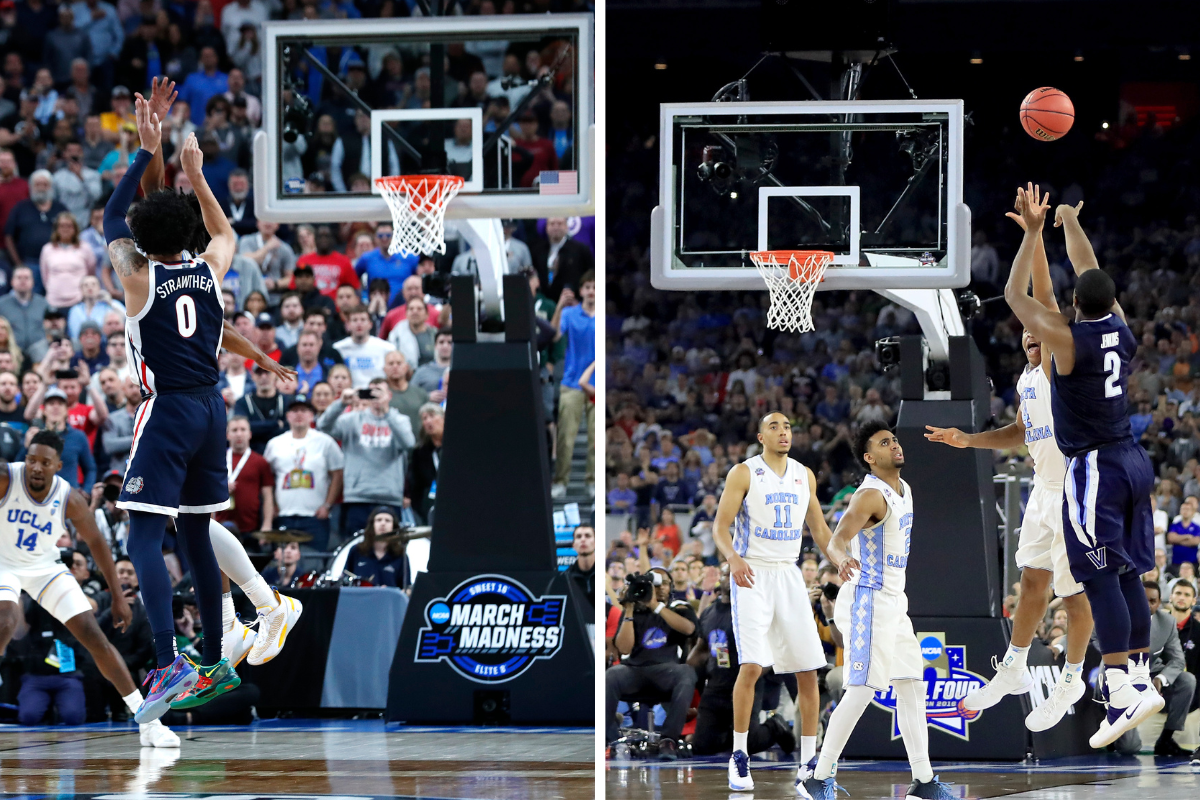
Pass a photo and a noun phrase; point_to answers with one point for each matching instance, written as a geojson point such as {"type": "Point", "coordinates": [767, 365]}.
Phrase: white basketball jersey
{"type": "Point", "coordinates": [883, 550]}
{"type": "Point", "coordinates": [770, 524]}
{"type": "Point", "coordinates": [29, 537]}
{"type": "Point", "coordinates": [1034, 390]}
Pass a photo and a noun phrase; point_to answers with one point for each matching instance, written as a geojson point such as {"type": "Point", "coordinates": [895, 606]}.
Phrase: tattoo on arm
{"type": "Point", "coordinates": [126, 260]}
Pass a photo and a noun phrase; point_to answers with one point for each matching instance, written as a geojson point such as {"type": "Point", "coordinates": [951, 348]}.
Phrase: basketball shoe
{"type": "Point", "coordinates": [739, 772]}
{"type": "Point", "coordinates": [273, 627]}
{"type": "Point", "coordinates": [1009, 679]}
{"type": "Point", "coordinates": [1067, 691]}
{"type": "Point", "coordinates": [155, 734]}
{"type": "Point", "coordinates": [1127, 708]}
{"type": "Point", "coordinates": [819, 789]}
{"type": "Point", "coordinates": [165, 685]}
{"type": "Point", "coordinates": [929, 790]}
{"type": "Point", "coordinates": [214, 680]}
{"type": "Point", "coordinates": [803, 774]}
{"type": "Point", "coordinates": [237, 642]}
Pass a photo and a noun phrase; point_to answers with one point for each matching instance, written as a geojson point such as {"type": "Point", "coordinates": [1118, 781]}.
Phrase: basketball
{"type": "Point", "coordinates": [1047, 114]}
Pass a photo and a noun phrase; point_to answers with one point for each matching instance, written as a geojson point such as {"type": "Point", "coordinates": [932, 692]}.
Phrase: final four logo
{"type": "Point", "coordinates": [490, 629]}
{"type": "Point", "coordinates": [946, 682]}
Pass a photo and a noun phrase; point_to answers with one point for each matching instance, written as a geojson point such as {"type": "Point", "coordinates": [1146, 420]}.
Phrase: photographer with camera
{"type": "Point", "coordinates": [651, 636]}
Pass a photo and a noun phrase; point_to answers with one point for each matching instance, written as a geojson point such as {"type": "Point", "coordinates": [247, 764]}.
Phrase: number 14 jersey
{"type": "Point", "coordinates": [173, 342]}
{"type": "Point", "coordinates": [29, 537]}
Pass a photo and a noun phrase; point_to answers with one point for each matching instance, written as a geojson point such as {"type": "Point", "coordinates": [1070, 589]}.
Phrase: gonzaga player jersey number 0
{"type": "Point", "coordinates": [770, 524]}
{"type": "Point", "coordinates": [31, 529]}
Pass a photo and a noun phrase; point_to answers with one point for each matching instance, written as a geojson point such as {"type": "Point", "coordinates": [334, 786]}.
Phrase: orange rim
{"type": "Point", "coordinates": [784, 257]}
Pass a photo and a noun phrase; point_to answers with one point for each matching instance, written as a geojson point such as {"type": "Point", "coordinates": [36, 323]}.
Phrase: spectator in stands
{"type": "Point", "coordinates": [621, 498]}
{"type": "Point", "coordinates": [112, 522]}
{"type": "Point", "coordinates": [93, 306]}
{"type": "Point", "coordinates": [76, 185]}
{"type": "Point", "coordinates": [134, 642]}
{"type": "Point", "coordinates": [203, 84]}
{"type": "Point", "coordinates": [420, 486]}
{"type": "Point", "coordinates": [577, 324]}
{"type": "Point", "coordinates": [363, 353]}
{"type": "Point", "coordinates": [562, 134]}
{"type": "Point", "coordinates": [429, 376]}
{"type": "Point", "coordinates": [376, 441]}
{"type": "Point", "coordinates": [286, 566]}
{"type": "Point", "coordinates": [671, 490]}
{"type": "Point", "coordinates": [407, 396]}
{"type": "Point", "coordinates": [45, 684]}
{"type": "Point", "coordinates": [308, 468]}
{"type": "Point", "coordinates": [291, 321]}
{"type": "Point", "coordinates": [266, 409]}
{"type": "Point", "coordinates": [309, 369]}
{"type": "Point", "coordinates": [31, 223]}
{"type": "Point", "coordinates": [538, 151]}
{"type": "Point", "coordinates": [79, 468]}
{"type": "Point", "coordinates": [234, 374]}
{"type": "Point", "coordinates": [265, 324]}
{"type": "Point", "coordinates": [106, 33]}
{"type": "Point", "coordinates": [315, 323]}
{"type": "Point", "coordinates": [251, 482]}
{"type": "Point", "coordinates": [651, 636]}
{"type": "Point", "coordinates": [380, 557]}
{"type": "Point", "coordinates": [90, 353]}
{"type": "Point", "coordinates": [13, 188]}
{"type": "Point", "coordinates": [559, 260]}
{"type": "Point", "coordinates": [330, 268]}
{"type": "Point", "coordinates": [24, 309]}
{"type": "Point", "coordinates": [583, 570]}
{"type": "Point", "coordinates": [117, 435]}
{"type": "Point", "coordinates": [64, 262]}
{"type": "Point", "coordinates": [274, 257]}
{"type": "Point", "coordinates": [413, 335]}
{"type": "Point", "coordinates": [239, 205]}
{"type": "Point", "coordinates": [1184, 534]}
{"type": "Point", "coordinates": [237, 91]}
{"type": "Point", "coordinates": [378, 263]}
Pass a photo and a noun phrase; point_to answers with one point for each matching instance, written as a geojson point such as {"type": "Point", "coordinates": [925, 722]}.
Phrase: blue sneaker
{"type": "Point", "coordinates": [739, 772]}
{"type": "Point", "coordinates": [165, 685]}
{"type": "Point", "coordinates": [815, 788]}
{"type": "Point", "coordinates": [929, 790]}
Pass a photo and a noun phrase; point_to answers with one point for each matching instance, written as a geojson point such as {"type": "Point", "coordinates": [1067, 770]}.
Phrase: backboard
{"type": "Point", "coordinates": [505, 101]}
{"type": "Point", "coordinates": [878, 183]}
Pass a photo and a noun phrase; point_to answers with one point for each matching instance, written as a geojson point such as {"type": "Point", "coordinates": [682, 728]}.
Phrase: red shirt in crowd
{"type": "Point", "coordinates": [246, 496]}
{"type": "Point", "coordinates": [11, 193]}
{"type": "Point", "coordinates": [329, 271]}
{"type": "Point", "coordinates": [78, 417]}
{"type": "Point", "coordinates": [400, 313]}
{"type": "Point", "coordinates": [274, 355]}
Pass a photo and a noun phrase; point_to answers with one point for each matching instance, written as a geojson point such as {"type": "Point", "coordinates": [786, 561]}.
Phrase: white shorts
{"type": "Point", "coordinates": [773, 622]}
{"type": "Point", "coordinates": [881, 645]}
{"type": "Point", "coordinates": [1041, 545]}
{"type": "Point", "coordinates": [54, 589]}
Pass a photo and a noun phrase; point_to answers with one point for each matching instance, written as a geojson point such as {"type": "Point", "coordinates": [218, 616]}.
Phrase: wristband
{"type": "Point", "coordinates": [659, 608]}
{"type": "Point", "coordinates": [627, 619]}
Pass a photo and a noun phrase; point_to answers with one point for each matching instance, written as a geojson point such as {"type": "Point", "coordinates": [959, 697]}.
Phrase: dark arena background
{"type": "Point", "coordinates": [690, 372]}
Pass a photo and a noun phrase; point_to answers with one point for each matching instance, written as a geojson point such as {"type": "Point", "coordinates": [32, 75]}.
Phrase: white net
{"type": "Point", "coordinates": [792, 277]}
{"type": "Point", "coordinates": [418, 204]}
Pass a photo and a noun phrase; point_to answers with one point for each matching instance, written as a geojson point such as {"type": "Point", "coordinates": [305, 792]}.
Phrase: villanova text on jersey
{"type": "Point", "coordinates": [782, 531]}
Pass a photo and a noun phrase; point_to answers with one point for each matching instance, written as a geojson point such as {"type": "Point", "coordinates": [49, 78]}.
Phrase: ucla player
{"type": "Point", "coordinates": [767, 499]}
{"type": "Point", "coordinates": [1107, 520]}
{"type": "Point", "coordinates": [177, 464]}
{"type": "Point", "coordinates": [870, 549]}
{"type": "Point", "coordinates": [35, 504]}
{"type": "Point", "coordinates": [1042, 551]}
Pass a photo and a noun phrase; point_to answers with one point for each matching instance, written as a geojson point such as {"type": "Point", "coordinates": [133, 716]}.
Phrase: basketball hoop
{"type": "Point", "coordinates": [418, 204]}
{"type": "Point", "coordinates": [792, 277]}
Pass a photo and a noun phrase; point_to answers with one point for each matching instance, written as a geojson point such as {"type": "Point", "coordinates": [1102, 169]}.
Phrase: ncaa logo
{"type": "Point", "coordinates": [947, 681]}
{"type": "Point", "coordinates": [439, 613]}
{"type": "Point", "coordinates": [931, 648]}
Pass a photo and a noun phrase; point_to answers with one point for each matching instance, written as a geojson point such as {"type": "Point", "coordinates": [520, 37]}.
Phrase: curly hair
{"type": "Point", "coordinates": [163, 223]}
{"type": "Point", "coordinates": [862, 440]}
{"type": "Point", "coordinates": [200, 237]}
{"type": "Point", "coordinates": [49, 438]}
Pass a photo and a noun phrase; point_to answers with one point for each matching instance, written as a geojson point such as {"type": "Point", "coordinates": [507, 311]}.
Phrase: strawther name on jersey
{"type": "Point", "coordinates": [172, 285]}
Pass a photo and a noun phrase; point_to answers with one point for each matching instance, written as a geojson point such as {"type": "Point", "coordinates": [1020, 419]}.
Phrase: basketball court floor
{"type": "Point", "coordinates": [301, 758]}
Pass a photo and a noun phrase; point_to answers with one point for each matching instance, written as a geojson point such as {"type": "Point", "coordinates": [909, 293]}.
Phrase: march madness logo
{"type": "Point", "coordinates": [490, 629]}
{"type": "Point", "coordinates": [946, 682]}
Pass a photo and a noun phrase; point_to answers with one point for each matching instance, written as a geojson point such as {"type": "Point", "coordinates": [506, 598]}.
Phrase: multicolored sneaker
{"type": "Point", "coordinates": [166, 684]}
{"type": "Point", "coordinates": [217, 679]}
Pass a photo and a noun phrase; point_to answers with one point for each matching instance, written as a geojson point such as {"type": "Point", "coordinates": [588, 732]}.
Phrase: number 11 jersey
{"type": "Point", "coordinates": [173, 342]}
{"type": "Point", "coordinates": [770, 525]}
{"type": "Point", "coordinates": [29, 538]}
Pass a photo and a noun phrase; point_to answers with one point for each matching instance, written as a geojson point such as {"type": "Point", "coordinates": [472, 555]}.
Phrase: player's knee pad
{"type": "Point", "coordinates": [857, 697]}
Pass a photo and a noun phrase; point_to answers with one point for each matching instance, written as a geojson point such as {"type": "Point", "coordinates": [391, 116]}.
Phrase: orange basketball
{"type": "Point", "coordinates": [1047, 114]}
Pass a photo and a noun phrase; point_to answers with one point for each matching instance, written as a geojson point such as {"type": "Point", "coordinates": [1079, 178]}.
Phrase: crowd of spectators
{"type": "Point", "coordinates": [353, 444]}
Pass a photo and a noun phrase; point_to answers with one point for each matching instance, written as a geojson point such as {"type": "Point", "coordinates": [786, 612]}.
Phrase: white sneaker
{"type": "Point", "coordinates": [237, 642]}
{"type": "Point", "coordinates": [1125, 713]}
{"type": "Point", "coordinates": [273, 627]}
{"type": "Point", "coordinates": [739, 772]}
{"type": "Point", "coordinates": [1008, 680]}
{"type": "Point", "coordinates": [558, 490]}
{"type": "Point", "coordinates": [1066, 693]}
{"type": "Point", "coordinates": [155, 734]}
{"type": "Point", "coordinates": [804, 773]}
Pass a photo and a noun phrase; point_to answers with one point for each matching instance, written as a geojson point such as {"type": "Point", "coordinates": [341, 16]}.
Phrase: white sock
{"type": "Point", "coordinates": [233, 561]}
{"type": "Point", "coordinates": [1071, 672]}
{"type": "Point", "coordinates": [1121, 693]}
{"type": "Point", "coordinates": [808, 749]}
{"type": "Point", "coordinates": [841, 724]}
{"type": "Point", "coordinates": [1015, 657]}
{"type": "Point", "coordinates": [228, 615]}
{"type": "Point", "coordinates": [133, 701]}
{"type": "Point", "coordinates": [914, 726]}
{"type": "Point", "coordinates": [739, 741]}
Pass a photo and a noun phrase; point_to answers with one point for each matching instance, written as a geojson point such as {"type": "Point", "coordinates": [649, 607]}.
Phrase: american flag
{"type": "Point", "coordinates": [558, 183]}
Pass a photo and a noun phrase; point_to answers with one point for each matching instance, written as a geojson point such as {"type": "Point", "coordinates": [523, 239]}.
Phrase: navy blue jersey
{"type": "Point", "coordinates": [1089, 406]}
{"type": "Point", "coordinates": [172, 345]}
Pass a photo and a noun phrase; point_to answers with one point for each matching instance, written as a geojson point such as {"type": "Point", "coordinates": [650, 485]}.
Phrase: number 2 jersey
{"type": "Point", "coordinates": [173, 342]}
{"type": "Point", "coordinates": [770, 524]}
{"type": "Point", "coordinates": [29, 541]}
{"type": "Point", "coordinates": [1089, 405]}
{"type": "Point", "coordinates": [882, 550]}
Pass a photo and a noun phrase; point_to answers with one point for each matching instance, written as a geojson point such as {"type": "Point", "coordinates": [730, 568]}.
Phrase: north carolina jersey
{"type": "Point", "coordinates": [770, 524]}
{"type": "Point", "coordinates": [1034, 390]}
{"type": "Point", "coordinates": [882, 550]}
{"type": "Point", "coordinates": [1089, 405]}
{"type": "Point", "coordinates": [172, 344]}
{"type": "Point", "coordinates": [29, 541]}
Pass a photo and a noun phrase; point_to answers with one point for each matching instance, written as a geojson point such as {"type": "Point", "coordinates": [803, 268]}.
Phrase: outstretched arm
{"type": "Point", "coordinates": [162, 95]}
{"type": "Point", "coordinates": [1079, 247]}
{"type": "Point", "coordinates": [223, 245]}
{"type": "Point", "coordinates": [1046, 325]}
{"type": "Point", "coordinates": [1006, 438]}
{"type": "Point", "coordinates": [239, 345]}
{"type": "Point", "coordinates": [1043, 287]}
{"type": "Point", "coordinates": [815, 517]}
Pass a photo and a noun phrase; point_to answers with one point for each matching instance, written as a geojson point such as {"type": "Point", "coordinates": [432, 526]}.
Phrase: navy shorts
{"type": "Point", "coordinates": [177, 463]}
{"type": "Point", "coordinates": [1107, 520]}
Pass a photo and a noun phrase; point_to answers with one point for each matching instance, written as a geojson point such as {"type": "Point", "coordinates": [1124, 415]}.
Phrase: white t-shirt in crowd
{"type": "Point", "coordinates": [237, 383]}
{"type": "Point", "coordinates": [365, 361]}
{"type": "Point", "coordinates": [1160, 523]}
{"type": "Point", "coordinates": [302, 469]}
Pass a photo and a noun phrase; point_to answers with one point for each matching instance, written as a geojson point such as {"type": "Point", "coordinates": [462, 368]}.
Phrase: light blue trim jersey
{"type": "Point", "coordinates": [770, 524]}
{"type": "Point", "coordinates": [882, 550]}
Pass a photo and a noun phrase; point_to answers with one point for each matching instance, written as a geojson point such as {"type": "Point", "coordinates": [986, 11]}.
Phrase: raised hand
{"type": "Point", "coordinates": [1065, 212]}
{"type": "Point", "coordinates": [190, 157]}
{"type": "Point", "coordinates": [1015, 216]}
{"type": "Point", "coordinates": [162, 95]}
{"type": "Point", "coordinates": [148, 125]}
{"type": "Point", "coordinates": [1033, 207]}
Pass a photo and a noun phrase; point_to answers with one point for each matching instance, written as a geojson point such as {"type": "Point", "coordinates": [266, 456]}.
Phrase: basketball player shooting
{"type": "Point", "coordinates": [1107, 519]}
{"type": "Point", "coordinates": [1042, 550]}
{"type": "Point", "coordinates": [870, 549]}
{"type": "Point", "coordinates": [177, 463]}
{"type": "Point", "coordinates": [765, 500]}
{"type": "Point", "coordinates": [35, 503]}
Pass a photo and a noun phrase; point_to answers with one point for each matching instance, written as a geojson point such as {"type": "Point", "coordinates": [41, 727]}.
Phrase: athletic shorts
{"type": "Point", "coordinates": [881, 645]}
{"type": "Point", "coordinates": [1107, 520]}
{"type": "Point", "coordinates": [1042, 545]}
{"type": "Point", "coordinates": [773, 622]}
{"type": "Point", "coordinates": [55, 589]}
{"type": "Point", "coordinates": [177, 463]}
